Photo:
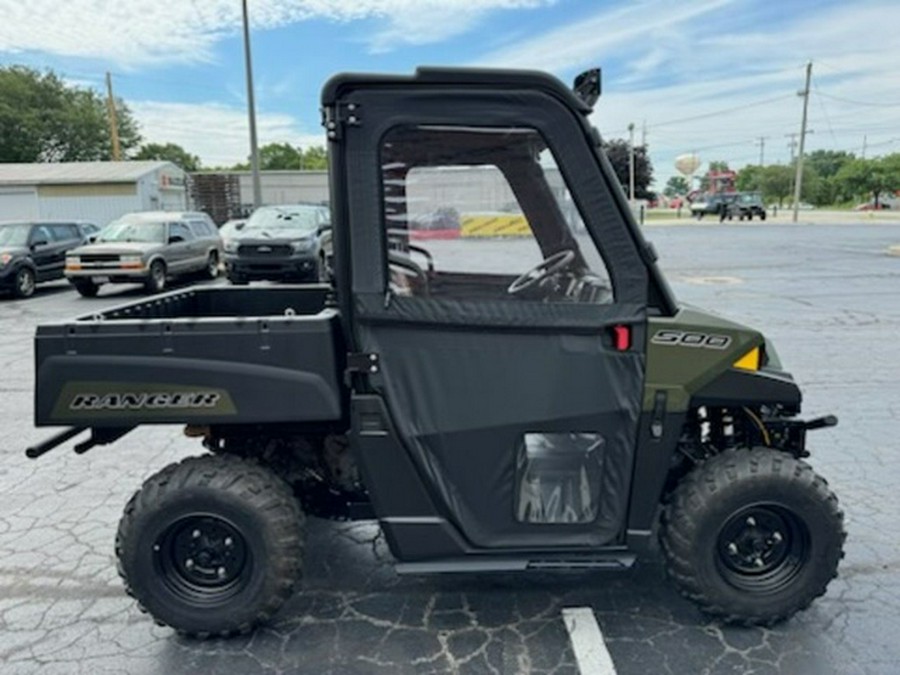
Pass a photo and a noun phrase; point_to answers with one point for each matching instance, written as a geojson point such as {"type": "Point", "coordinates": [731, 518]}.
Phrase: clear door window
{"type": "Point", "coordinates": [484, 213]}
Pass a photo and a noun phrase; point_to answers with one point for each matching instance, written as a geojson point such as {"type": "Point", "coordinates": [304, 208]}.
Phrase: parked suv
{"type": "Point", "coordinates": [148, 248]}
{"type": "Point", "coordinates": [32, 252]}
{"type": "Point", "coordinates": [280, 243]}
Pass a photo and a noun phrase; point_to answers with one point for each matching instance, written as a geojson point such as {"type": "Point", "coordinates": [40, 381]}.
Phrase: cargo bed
{"type": "Point", "coordinates": [203, 355]}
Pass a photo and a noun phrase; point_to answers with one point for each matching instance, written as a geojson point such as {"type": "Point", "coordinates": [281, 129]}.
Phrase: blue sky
{"type": "Point", "coordinates": [711, 76]}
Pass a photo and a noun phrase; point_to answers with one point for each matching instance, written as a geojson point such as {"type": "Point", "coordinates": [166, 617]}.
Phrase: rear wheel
{"type": "Point", "coordinates": [212, 265]}
{"type": "Point", "coordinates": [24, 283]}
{"type": "Point", "coordinates": [86, 288]}
{"type": "Point", "coordinates": [762, 215]}
{"type": "Point", "coordinates": [156, 281]}
{"type": "Point", "coordinates": [752, 536]}
{"type": "Point", "coordinates": [211, 546]}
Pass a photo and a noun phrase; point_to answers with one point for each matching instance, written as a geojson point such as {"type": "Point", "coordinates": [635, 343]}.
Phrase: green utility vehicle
{"type": "Point", "coordinates": [489, 416]}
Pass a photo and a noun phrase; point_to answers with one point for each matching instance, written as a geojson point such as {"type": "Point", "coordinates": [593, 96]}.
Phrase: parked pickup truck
{"type": "Point", "coordinates": [530, 401]}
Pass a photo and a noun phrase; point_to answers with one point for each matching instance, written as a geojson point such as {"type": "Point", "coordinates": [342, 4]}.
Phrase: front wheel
{"type": "Point", "coordinates": [24, 283]}
{"type": "Point", "coordinates": [211, 546]}
{"type": "Point", "coordinates": [86, 288]}
{"type": "Point", "coordinates": [156, 281]}
{"type": "Point", "coordinates": [753, 536]}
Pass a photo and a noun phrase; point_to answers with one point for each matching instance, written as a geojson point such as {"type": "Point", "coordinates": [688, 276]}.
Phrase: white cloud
{"type": "Point", "coordinates": [217, 133]}
{"type": "Point", "coordinates": [666, 63]}
{"type": "Point", "coordinates": [147, 31]}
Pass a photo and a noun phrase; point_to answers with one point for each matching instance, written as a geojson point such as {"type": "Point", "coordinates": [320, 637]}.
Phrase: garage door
{"type": "Point", "coordinates": [18, 203]}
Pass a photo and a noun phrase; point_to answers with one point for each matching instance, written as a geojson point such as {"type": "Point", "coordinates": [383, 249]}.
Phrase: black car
{"type": "Point", "coordinates": [279, 243]}
{"type": "Point", "coordinates": [33, 252]}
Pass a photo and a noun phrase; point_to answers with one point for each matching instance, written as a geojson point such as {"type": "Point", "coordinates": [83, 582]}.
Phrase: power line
{"type": "Point", "coordinates": [722, 111]}
{"type": "Point", "coordinates": [862, 103]}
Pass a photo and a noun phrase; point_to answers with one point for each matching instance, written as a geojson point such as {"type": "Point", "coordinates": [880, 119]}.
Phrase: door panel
{"type": "Point", "coordinates": [516, 408]}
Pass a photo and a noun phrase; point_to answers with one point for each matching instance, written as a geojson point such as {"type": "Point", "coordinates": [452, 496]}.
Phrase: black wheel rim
{"type": "Point", "coordinates": [762, 548]}
{"type": "Point", "coordinates": [203, 559]}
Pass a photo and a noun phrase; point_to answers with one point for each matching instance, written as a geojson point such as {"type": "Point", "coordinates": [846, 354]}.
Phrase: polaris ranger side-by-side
{"type": "Point", "coordinates": [521, 392]}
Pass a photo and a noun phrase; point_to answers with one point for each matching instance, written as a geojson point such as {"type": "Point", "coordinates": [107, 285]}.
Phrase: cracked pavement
{"type": "Point", "coordinates": [826, 295]}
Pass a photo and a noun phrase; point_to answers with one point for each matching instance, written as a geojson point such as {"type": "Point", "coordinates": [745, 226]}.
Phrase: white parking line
{"type": "Point", "coordinates": [587, 642]}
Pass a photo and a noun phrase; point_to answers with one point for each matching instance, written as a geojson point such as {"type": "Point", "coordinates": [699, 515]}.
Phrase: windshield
{"type": "Point", "coordinates": [279, 219]}
{"type": "Point", "coordinates": [14, 235]}
{"type": "Point", "coordinates": [139, 231]}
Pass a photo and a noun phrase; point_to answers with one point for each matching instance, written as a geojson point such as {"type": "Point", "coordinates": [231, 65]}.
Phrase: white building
{"type": "Point", "coordinates": [93, 191]}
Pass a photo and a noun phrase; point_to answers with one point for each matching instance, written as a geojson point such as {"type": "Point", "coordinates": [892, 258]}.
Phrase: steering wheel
{"type": "Point", "coordinates": [410, 276]}
{"type": "Point", "coordinates": [541, 271]}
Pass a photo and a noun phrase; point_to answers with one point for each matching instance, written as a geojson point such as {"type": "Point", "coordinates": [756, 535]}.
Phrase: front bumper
{"type": "Point", "coordinates": [298, 266]}
{"type": "Point", "coordinates": [8, 275]}
{"type": "Point", "coordinates": [108, 273]}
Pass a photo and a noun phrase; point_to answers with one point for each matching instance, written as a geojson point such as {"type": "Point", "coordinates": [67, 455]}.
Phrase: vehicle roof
{"type": "Point", "coordinates": [46, 222]}
{"type": "Point", "coordinates": [154, 216]}
{"type": "Point", "coordinates": [490, 78]}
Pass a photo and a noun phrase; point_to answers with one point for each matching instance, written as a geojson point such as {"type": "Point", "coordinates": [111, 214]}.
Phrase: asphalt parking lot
{"type": "Point", "coordinates": [829, 297]}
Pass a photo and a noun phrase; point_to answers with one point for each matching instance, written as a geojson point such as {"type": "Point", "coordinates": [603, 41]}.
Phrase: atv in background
{"type": "Point", "coordinates": [745, 205]}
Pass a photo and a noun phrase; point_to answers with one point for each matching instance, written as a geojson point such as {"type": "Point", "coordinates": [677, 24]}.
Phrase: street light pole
{"type": "Point", "coordinates": [251, 111]}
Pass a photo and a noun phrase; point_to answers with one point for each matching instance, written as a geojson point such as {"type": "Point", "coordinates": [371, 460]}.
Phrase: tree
{"type": "Point", "coordinates": [44, 120]}
{"type": "Point", "coordinates": [279, 157]}
{"type": "Point", "coordinates": [617, 150]}
{"type": "Point", "coordinates": [870, 176]}
{"type": "Point", "coordinates": [776, 182]}
{"type": "Point", "coordinates": [315, 158]}
{"type": "Point", "coordinates": [170, 152]}
{"type": "Point", "coordinates": [750, 178]}
{"type": "Point", "coordinates": [676, 187]}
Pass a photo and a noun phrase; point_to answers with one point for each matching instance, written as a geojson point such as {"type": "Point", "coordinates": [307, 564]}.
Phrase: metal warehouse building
{"type": "Point", "coordinates": [94, 191]}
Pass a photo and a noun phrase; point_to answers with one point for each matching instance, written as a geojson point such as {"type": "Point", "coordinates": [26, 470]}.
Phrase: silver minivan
{"type": "Point", "coordinates": [147, 247]}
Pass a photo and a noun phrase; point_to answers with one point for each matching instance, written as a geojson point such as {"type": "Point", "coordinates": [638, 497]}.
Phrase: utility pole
{"type": "Point", "coordinates": [113, 122]}
{"type": "Point", "coordinates": [644, 134]}
{"type": "Point", "coordinates": [631, 164]}
{"type": "Point", "coordinates": [792, 144]}
{"type": "Point", "coordinates": [762, 149]}
{"type": "Point", "coordinates": [865, 138]}
{"type": "Point", "coordinates": [251, 111]}
{"type": "Point", "coordinates": [798, 181]}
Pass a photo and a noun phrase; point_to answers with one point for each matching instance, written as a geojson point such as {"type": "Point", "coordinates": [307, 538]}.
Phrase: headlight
{"type": "Point", "coordinates": [302, 245]}
{"type": "Point", "coordinates": [5, 258]}
{"type": "Point", "coordinates": [130, 259]}
{"type": "Point", "coordinates": [231, 246]}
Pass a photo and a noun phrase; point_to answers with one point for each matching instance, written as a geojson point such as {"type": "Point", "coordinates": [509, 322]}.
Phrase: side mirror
{"type": "Point", "coordinates": [239, 226]}
{"type": "Point", "coordinates": [175, 239]}
{"type": "Point", "coordinates": [587, 86]}
{"type": "Point", "coordinates": [324, 227]}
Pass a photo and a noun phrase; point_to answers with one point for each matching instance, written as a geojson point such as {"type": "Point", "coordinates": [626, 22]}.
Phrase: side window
{"type": "Point", "coordinates": [179, 229]}
{"type": "Point", "coordinates": [40, 234]}
{"type": "Point", "coordinates": [484, 214]}
{"type": "Point", "coordinates": [200, 229]}
{"type": "Point", "coordinates": [64, 231]}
